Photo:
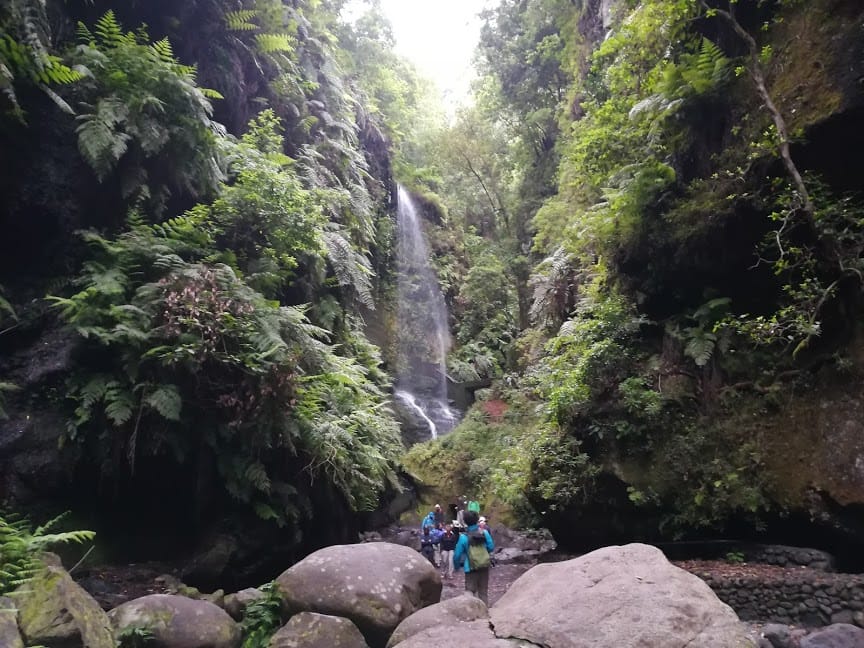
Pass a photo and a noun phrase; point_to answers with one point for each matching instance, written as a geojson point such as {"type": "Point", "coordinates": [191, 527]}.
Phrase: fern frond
{"type": "Point", "coordinates": [240, 20]}
{"type": "Point", "coordinates": [271, 43]}
{"type": "Point", "coordinates": [166, 400]}
{"type": "Point", "coordinates": [352, 269]}
{"type": "Point", "coordinates": [108, 30]}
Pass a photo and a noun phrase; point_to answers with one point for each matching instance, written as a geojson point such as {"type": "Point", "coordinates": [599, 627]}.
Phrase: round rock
{"type": "Point", "coordinates": [375, 585]}
{"type": "Point", "coordinates": [616, 596]}
{"type": "Point", "coordinates": [310, 630]}
{"type": "Point", "coordinates": [447, 613]}
{"type": "Point", "coordinates": [839, 635]}
{"type": "Point", "coordinates": [178, 622]}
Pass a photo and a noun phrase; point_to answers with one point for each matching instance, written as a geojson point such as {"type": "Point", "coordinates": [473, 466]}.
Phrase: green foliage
{"type": "Point", "coordinates": [159, 309]}
{"type": "Point", "coordinates": [263, 617]}
{"type": "Point", "coordinates": [26, 56]}
{"type": "Point", "coordinates": [21, 545]}
{"type": "Point", "coordinates": [589, 356]}
{"type": "Point", "coordinates": [135, 636]}
{"type": "Point", "coordinates": [488, 457]}
{"type": "Point", "coordinates": [144, 107]}
{"type": "Point", "coordinates": [734, 558]}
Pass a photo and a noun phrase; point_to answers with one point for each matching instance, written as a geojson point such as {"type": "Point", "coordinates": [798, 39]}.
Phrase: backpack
{"type": "Point", "coordinates": [478, 555]}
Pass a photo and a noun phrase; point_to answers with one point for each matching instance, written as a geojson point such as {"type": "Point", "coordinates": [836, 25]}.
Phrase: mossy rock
{"type": "Point", "coordinates": [178, 622]}
{"type": "Point", "coordinates": [10, 637]}
{"type": "Point", "coordinates": [55, 611]}
{"type": "Point", "coordinates": [310, 630]}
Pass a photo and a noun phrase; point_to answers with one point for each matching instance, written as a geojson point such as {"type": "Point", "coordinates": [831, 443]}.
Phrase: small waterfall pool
{"type": "Point", "coordinates": [423, 335]}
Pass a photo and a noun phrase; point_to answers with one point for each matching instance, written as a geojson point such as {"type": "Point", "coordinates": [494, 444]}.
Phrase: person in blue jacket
{"type": "Point", "coordinates": [428, 522]}
{"type": "Point", "coordinates": [476, 580]}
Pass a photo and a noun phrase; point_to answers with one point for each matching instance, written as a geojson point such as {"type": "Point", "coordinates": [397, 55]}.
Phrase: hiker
{"type": "Point", "coordinates": [473, 552]}
{"type": "Point", "coordinates": [437, 533]}
{"type": "Point", "coordinates": [428, 521]}
{"type": "Point", "coordinates": [427, 545]}
{"type": "Point", "coordinates": [438, 515]}
{"type": "Point", "coordinates": [481, 524]}
{"type": "Point", "coordinates": [448, 544]}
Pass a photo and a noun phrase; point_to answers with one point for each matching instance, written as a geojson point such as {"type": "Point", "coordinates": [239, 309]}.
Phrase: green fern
{"type": "Point", "coordinates": [20, 546]}
{"type": "Point", "coordinates": [271, 43]}
{"type": "Point", "coordinates": [241, 20]}
{"type": "Point", "coordinates": [263, 618]}
{"type": "Point", "coordinates": [166, 400]}
{"type": "Point", "coordinates": [352, 269]}
{"type": "Point", "coordinates": [108, 31]}
{"type": "Point", "coordinates": [25, 55]}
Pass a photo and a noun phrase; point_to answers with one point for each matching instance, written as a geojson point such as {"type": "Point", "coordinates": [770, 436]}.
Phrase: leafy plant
{"type": "Point", "coordinates": [734, 557]}
{"type": "Point", "coordinates": [21, 544]}
{"type": "Point", "coordinates": [263, 617]}
{"type": "Point", "coordinates": [144, 107]}
{"type": "Point", "coordinates": [26, 54]}
{"type": "Point", "coordinates": [135, 636]}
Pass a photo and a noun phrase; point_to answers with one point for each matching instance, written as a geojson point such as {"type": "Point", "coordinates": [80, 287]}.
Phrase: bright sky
{"type": "Point", "coordinates": [439, 37]}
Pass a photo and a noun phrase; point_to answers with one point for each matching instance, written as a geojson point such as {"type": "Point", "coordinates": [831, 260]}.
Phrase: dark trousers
{"type": "Point", "coordinates": [477, 582]}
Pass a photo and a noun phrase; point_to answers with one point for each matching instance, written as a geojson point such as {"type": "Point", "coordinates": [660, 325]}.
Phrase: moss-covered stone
{"type": "Point", "coordinates": [10, 637]}
{"type": "Point", "coordinates": [178, 622]}
{"type": "Point", "coordinates": [55, 611]}
{"type": "Point", "coordinates": [310, 630]}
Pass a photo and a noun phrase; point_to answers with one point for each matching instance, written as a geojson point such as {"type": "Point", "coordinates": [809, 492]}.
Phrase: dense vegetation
{"type": "Point", "coordinates": [219, 274]}
{"type": "Point", "coordinates": [642, 240]}
{"type": "Point", "coordinates": [694, 260]}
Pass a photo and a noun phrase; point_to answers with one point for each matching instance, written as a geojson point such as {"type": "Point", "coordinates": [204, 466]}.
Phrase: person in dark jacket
{"type": "Point", "coordinates": [427, 545]}
{"type": "Point", "coordinates": [476, 580]}
{"type": "Point", "coordinates": [448, 544]}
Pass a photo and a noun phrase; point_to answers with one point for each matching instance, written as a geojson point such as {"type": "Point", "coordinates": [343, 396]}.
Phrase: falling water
{"type": "Point", "coordinates": [423, 337]}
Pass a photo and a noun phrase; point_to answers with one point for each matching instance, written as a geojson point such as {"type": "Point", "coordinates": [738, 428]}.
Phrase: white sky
{"type": "Point", "coordinates": [439, 37]}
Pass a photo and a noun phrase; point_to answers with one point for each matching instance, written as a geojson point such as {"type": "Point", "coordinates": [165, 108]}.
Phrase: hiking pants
{"type": "Point", "coordinates": [447, 562]}
{"type": "Point", "coordinates": [477, 582]}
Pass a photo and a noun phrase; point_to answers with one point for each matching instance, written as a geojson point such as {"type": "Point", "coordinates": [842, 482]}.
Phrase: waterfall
{"type": "Point", "coordinates": [423, 337]}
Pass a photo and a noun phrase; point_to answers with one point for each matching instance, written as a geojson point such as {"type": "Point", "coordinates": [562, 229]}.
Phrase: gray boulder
{"type": "Point", "coordinates": [375, 585]}
{"type": "Point", "coordinates": [236, 604]}
{"type": "Point", "coordinates": [53, 610]}
{"type": "Point", "coordinates": [779, 636]}
{"type": "Point", "coordinates": [839, 635]}
{"type": "Point", "coordinates": [626, 597]}
{"type": "Point", "coordinates": [472, 634]}
{"type": "Point", "coordinates": [310, 630]}
{"type": "Point", "coordinates": [178, 622]}
{"type": "Point", "coordinates": [447, 613]}
{"type": "Point", "coordinates": [10, 637]}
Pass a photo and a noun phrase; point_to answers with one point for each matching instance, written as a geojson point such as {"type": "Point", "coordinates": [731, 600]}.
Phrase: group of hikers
{"type": "Point", "coordinates": [463, 543]}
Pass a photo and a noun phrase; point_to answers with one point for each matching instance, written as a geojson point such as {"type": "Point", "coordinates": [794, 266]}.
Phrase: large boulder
{"type": "Point", "coordinates": [310, 630]}
{"type": "Point", "coordinates": [53, 610]}
{"type": "Point", "coordinates": [472, 634]}
{"type": "Point", "coordinates": [629, 596]}
{"type": "Point", "coordinates": [178, 622]}
{"type": "Point", "coordinates": [447, 613]}
{"type": "Point", "coordinates": [10, 637]}
{"type": "Point", "coordinates": [839, 635]}
{"type": "Point", "coordinates": [375, 585]}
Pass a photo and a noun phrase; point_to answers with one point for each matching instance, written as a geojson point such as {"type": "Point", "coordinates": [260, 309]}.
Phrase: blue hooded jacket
{"type": "Point", "coordinates": [460, 555]}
